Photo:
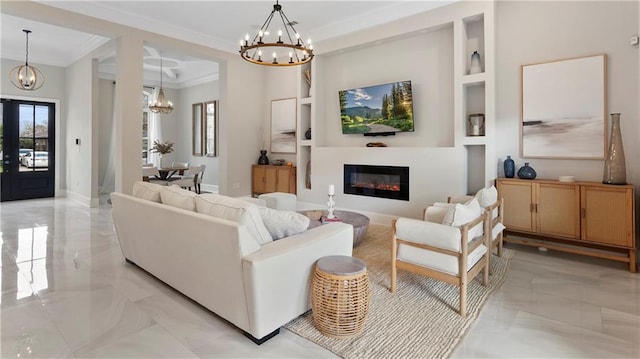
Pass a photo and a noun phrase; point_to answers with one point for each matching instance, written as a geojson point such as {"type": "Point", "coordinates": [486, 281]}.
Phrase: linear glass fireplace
{"type": "Point", "coordinates": [377, 181]}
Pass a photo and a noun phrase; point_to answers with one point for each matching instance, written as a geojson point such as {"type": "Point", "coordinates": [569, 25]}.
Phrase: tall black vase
{"type": "Point", "coordinates": [263, 160]}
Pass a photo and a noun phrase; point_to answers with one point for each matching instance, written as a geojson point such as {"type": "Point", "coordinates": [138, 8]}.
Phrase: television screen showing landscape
{"type": "Point", "coordinates": [377, 109]}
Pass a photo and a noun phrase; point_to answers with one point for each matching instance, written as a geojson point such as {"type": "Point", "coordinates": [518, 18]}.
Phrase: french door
{"type": "Point", "coordinates": [28, 150]}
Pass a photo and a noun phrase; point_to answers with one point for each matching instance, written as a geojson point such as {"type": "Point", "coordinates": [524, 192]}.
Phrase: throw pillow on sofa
{"type": "Point", "coordinates": [282, 224]}
{"type": "Point", "coordinates": [236, 210]}
{"type": "Point", "coordinates": [178, 197]}
{"type": "Point", "coordinates": [146, 190]}
{"type": "Point", "coordinates": [465, 213]}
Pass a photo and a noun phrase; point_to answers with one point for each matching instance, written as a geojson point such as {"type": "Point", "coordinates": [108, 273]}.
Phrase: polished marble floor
{"type": "Point", "coordinates": [66, 292]}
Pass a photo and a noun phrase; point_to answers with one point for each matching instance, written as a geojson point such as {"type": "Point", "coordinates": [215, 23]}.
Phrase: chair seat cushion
{"type": "Point", "coordinates": [236, 210]}
{"type": "Point", "coordinates": [282, 224]}
{"type": "Point", "coordinates": [438, 261]}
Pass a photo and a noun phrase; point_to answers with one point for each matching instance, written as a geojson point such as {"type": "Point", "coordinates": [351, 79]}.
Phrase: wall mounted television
{"type": "Point", "coordinates": [378, 110]}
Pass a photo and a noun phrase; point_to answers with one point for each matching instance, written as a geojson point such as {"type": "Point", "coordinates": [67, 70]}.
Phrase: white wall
{"type": "Point", "coordinates": [184, 136]}
{"type": "Point", "coordinates": [51, 91]}
{"type": "Point", "coordinates": [426, 59]}
{"type": "Point", "coordinates": [280, 83]}
{"type": "Point", "coordinates": [81, 91]}
{"type": "Point", "coordinates": [532, 32]}
{"type": "Point", "coordinates": [105, 123]}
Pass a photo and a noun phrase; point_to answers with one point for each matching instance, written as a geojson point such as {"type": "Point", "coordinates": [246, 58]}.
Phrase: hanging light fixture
{"type": "Point", "coordinates": [287, 50]}
{"type": "Point", "coordinates": [161, 104]}
{"type": "Point", "coordinates": [26, 77]}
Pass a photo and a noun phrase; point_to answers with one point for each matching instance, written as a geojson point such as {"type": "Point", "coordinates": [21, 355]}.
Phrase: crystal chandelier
{"type": "Point", "coordinates": [26, 77]}
{"type": "Point", "coordinates": [161, 104]}
{"type": "Point", "coordinates": [287, 50]}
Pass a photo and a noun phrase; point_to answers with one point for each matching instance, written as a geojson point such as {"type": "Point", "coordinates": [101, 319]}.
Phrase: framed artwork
{"type": "Point", "coordinates": [211, 128]}
{"type": "Point", "coordinates": [283, 125]}
{"type": "Point", "coordinates": [563, 108]}
{"type": "Point", "coordinates": [197, 110]}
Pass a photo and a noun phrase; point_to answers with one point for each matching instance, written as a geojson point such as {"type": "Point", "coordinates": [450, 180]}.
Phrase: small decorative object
{"type": "Point", "coordinates": [566, 179]}
{"type": "Point", "coordinates": [509, 167]}
{"type": "Point", "coordinates": [475, 67]}
{"type": "Point", "coordinates": [307, 134]}
{"type": "Point", "coordinates": [376, 144]}
{"type": "Point", "coordinates": [527, 172]}
{"type": "Point", "coordinates": [278, 162]}
{"type": "Point", "coordinates": [476, 124]}
{"type": "Point", "coordinates": [307, 179]}
{"type": "Point", "coordinates": [263, 159]}
{"type": "Point", "coordinates": [289, 164]}
{"type": "Point", "coordinates": [615, 168]}
{"type": "Point", "coordinates": [307, 76]}
{"type": "Point", "coordinates": [331, 203]}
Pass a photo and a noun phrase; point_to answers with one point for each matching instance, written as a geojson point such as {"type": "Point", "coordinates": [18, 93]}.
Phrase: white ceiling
{"type": "Point", "coordinates": [217, 24]}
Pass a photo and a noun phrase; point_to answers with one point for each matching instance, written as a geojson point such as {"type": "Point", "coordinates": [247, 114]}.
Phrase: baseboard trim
{"type": "Point", "coordinates": [87, 201]}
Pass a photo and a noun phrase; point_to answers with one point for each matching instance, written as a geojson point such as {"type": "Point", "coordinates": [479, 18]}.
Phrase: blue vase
{"type": "Point", "coordinates": [509, 167]}
{"type": "Point", "coordinates": [527, 172]}
{"type": "Point", "coordinates": [263, 159]}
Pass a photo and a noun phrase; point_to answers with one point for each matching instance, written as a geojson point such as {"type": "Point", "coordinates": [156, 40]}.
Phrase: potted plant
{"type": "Point", "coordinates": [162, 148]}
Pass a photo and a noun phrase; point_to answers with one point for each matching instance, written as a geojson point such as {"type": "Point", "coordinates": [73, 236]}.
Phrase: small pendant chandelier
{"type": "Point", "coordinates": [161, 105]}
{"type": "Point", "coordinates": [292, 50]}
{"type": "Point", "coordinates": [26, 77]}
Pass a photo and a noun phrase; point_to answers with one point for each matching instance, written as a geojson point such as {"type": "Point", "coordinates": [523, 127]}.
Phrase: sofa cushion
{"type": "Point", "coordinates": [236, 210]}
{"type": "Point", "coordinates": [282, 224]}
{"type": "Point", "coordinates": [178, 197]}
{"type": "Point", "coordinates": [460, 214]}
{"type": "Point", "coordinates": [146, 190]}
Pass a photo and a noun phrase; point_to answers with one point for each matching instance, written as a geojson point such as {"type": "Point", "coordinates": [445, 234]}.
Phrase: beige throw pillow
{"type": "Point", "coordinates": [464, 213]}
{"type": "Point", "coordinates": [282, 224]}
{"type": "Point", "coordinates": [178, 197]}
{"type": "Point", "coordinates": [236, 210]}
{"type": "Point", "coordinates": [146, 190]}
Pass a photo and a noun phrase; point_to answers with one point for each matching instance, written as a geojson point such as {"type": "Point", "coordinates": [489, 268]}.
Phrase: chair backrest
{"type": "Point", "coordinates": [193, 170]}
{"type": "Point", "coordinates": [184, 165]}
{"type": "Point", "coordinates": [147, 165]}
{"type": "Point", "coordinates": [201, 174]}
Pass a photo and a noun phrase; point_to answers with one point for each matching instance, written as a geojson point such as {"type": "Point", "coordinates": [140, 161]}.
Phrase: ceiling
{"type": "Point", "coordinates": [217, 24]}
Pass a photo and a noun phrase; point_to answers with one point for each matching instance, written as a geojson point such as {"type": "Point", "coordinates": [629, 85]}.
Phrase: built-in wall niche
{"type": "Point", "coordinates": [475, 168]}
{"type": "Point", "coordinates": [474, 102]}
{"type": "Point", "coordinates": [474, 39]}
{"type": "Point", "coordinates": [305, 119]}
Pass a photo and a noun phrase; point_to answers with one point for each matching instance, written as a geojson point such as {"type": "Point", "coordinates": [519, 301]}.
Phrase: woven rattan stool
{"type": "Point", "coordinates": [340, 296]}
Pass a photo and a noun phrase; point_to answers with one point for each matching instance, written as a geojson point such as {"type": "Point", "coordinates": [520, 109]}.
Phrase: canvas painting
{"type": "Point", "coordinates": [283, 125]}
{"type": "Point", "coordinates": [563, 109]}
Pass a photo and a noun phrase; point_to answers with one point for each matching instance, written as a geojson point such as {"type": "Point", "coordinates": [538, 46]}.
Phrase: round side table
{"type": "Point", "coordinates": [340, 296]}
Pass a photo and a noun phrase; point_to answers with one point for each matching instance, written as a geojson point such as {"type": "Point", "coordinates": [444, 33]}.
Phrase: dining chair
{"type": "Point", "coordinates": [191, 178]}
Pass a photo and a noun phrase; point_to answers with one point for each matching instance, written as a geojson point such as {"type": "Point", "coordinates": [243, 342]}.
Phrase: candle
{"type": "Point", "coordinates": [332, 190]}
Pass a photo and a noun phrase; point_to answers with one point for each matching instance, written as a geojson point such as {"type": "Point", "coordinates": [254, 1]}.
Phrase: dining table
{"type": "Point", "coordinates": [165, 173]}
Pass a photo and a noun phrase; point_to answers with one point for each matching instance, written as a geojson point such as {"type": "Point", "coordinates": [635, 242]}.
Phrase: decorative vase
{"type": "Point", "coordinates": [527, 172]}
{"type": "Point", "coordinates": [307, 134]}
{"type": "Point", "coordinates": [263, 160]}
{"type": "Point", "coordinates": [509, 167]}
{"type": "Point", "coordinates": [615, 170]}
{"type": "Point", "coordinates": [475, 67]}
{"type": "Point", "coordinates": [475, 125]}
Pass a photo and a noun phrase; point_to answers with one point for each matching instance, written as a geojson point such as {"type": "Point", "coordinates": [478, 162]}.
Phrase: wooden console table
{"type": "Point", "coordinates": [588, 218]}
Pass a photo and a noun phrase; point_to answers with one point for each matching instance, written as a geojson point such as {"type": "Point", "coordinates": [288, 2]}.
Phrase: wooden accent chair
{"type": "Point", "coordinates": [455, 252]}
{"type": "Point", "coordinates": [488, 199]}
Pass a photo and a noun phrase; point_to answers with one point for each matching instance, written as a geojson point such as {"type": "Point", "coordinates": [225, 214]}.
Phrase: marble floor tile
{"type": "Point", "coordinates": [68, 291]}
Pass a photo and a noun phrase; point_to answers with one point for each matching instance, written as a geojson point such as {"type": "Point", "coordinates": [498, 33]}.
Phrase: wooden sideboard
{"type": "Point", "coordinates": [588, 218]}
{"type": "Point", "coordinates": [268, 178]}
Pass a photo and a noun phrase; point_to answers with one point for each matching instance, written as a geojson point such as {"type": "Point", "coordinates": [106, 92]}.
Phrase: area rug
{"type": "Point", "coordinates": [419, 321]}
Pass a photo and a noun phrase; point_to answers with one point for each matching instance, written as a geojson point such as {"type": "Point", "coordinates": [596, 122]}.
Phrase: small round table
{"type": "Point", "coordinates": [340, 296]}
{"type": "Point", "coordinates": [359, 222]}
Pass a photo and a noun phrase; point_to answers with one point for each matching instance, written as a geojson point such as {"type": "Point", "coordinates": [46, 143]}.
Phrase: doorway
{"type": "Point", "coordinates": [28, 150]}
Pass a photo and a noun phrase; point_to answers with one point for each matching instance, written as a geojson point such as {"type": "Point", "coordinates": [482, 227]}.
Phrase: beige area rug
{"type": "Point", "coordinates": [419, 321]}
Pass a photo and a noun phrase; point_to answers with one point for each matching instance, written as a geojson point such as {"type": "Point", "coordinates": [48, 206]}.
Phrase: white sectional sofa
{"type": "Point", "coordinates": [256, 285]}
